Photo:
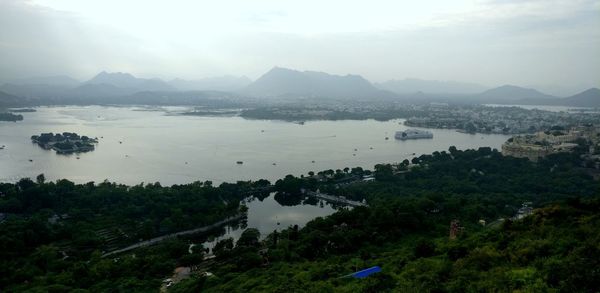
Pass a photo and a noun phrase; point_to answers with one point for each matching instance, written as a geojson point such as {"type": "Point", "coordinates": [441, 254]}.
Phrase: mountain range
{"type": "Point", "coordinates": [226, 83]}
{"type": "Point", "coordinates": [511, 94]}
{"type": "Point", "coordinates": [8, 100]}
{"type": "Point", "coordinates": [276, 83]}
{"type": "Point", "coordinates": [413, 85]}
{"type": "Point", "coordinates": [127, 81]}
{"type": "Point", "coordinates": [279, 82]}
{"type": "Point", "coordinates": [57, 80]}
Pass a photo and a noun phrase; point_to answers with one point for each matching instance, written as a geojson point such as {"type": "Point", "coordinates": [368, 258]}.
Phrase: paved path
{"type": "Point", "coordinates": [334, 198]}
{"type": "Point", "coordinates": [168, 236]}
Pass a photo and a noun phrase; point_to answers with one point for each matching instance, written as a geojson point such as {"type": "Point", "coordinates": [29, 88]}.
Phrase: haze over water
{"type": "Point", "coordinates": [159, 145]}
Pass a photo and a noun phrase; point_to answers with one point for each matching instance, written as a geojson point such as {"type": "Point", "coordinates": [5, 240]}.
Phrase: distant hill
{"type": "Point", "coordinates": [128, 81]}
{"type": "Point", "coordinates": [54, 89]}
{"type": "Point", "coordinates": [287, 82]}
{"type": "Point", "coordinates": [511, 94]}
{"type": "Point", "coordinates": [90, 90]}
{"type": "Point", "coordinates": [587, 98]}
{"type": "Point", "coordinates": [57, 81]}
{"type": "Point", "coordinates": [36, 91]}
{"type": "Point", "coordinates": [412, 85]}
{"type": "Point", "coordinates": [8, 100]}
{"type": "Point", "coordinates": [221, 83]}
{"type": "Point", "coordinates": [524, 96]}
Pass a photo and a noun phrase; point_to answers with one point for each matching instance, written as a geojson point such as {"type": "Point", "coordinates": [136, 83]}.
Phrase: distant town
{"type": "Point", "coordinates": [557, 140]}
{"type": "Point", "coordinates": [464, 118]}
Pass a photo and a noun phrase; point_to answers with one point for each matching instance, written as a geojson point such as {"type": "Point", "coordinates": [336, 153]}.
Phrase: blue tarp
{"type": "Point", "coordinates": [366, 272]}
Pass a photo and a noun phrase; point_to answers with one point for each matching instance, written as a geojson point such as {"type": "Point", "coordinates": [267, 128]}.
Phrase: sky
{"type": "Point", "coordinates": [544, 43]}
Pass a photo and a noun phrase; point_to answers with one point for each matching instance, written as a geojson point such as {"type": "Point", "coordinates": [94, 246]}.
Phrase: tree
{"type": "Point", "coordinates": [223, 247]}
{"type": "Point", "coordinates": [249, 237]}
{"type": "Point", "coordinates": [40, 179]}
{"type": "Point", "coordinates": [424, 248]}
{"type": "Point", "coordinates": [452, 149]}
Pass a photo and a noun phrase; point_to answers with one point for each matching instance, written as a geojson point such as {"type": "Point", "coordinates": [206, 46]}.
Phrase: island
{"type": "Point", "coordinates": [24, 110]}
{"type": "Point", "coordinates": [7, 116]}
{"type": "Point", "coordinates": [65, 143]}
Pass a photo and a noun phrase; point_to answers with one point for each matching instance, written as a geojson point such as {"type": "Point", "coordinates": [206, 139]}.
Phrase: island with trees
{"type": "Point", "coordinates": [65, 143]}
{"type": "Point", "coordinates": [7, 116]}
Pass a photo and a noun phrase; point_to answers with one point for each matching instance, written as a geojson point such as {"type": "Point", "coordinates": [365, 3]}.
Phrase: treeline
{"type": "Point", "coordinates": [52, 234]}
{"type": "Point", "coordinates": [406, 232]}
{"type": "Point", "coordinates": [50, 230]}
{"type": "Point", "coordinates": [554, 250]}
{"type": "Point", "coordinates": [10, 117]}
{"type": "Point", "coordinates": [323, 113]}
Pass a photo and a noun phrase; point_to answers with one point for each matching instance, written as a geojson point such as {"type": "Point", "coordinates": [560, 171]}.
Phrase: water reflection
{"type": "Point", "coordinates": [268, 214]}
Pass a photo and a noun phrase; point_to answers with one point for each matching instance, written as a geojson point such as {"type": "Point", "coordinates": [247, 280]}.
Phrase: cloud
{"type": "Point", "coordinates": [490, 42]}
{"type": "Point", "coordinates": [36, 40]}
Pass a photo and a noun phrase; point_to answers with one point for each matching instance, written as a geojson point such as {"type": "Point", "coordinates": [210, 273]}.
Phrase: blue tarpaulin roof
{"type": "Point", "coordinates": [366, 272]}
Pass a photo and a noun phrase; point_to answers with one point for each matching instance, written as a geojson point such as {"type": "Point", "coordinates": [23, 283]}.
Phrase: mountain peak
{"type": "Point", "coordinates": [587, 98]}
{"type": "Point", "coordinates": [127, 80]}
{"type": "Point", "coordinates": [281, 81]}
{"type": "Point", "coordinates": [512, 93]}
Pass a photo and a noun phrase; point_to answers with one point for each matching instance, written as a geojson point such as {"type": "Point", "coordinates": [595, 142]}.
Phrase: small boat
{"type": "Point", "coordinates": [371, 148]}
{"type": "Point", "coordinates": [30, 160]}
{"type": "Point", "coordinates": [313, 161]}
{"type": "Point", "coordinates": [239, 162]}
{"type": "Point", "coordinates": [77, 158]}
{"type": "Point", "coordinates": [120, 142]}
{"type": "Point", "coordinates": [274, 164]}
{"type": "Point", "coordinates": [355, 150]}
{"type": "Point", "coordinates": [386, 138]}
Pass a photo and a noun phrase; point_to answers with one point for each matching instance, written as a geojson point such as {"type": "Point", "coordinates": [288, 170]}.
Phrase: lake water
{"type": "Point", "coordinates": [268, 215]}
{"type": "Point", "coordinates": [159, 145]}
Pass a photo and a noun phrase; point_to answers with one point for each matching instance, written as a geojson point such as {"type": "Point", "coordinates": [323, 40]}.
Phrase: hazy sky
{"type": "Point", "coordinates": [489, 42]}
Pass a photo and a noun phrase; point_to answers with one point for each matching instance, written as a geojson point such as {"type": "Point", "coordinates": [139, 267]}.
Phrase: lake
{"type": "Point", "coordinates": [143, 144]}
{"type": "Point", "coordinates": [268, 215]}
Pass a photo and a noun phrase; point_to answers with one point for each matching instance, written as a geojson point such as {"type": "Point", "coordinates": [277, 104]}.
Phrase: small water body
{"type": "Point", "coordinates": [268, 215]}
{"type": "Point", "coordinates": [142, 144]}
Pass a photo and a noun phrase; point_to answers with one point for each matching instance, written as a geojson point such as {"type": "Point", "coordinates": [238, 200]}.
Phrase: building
{"type": "Point", "coordinates": [540, 144]}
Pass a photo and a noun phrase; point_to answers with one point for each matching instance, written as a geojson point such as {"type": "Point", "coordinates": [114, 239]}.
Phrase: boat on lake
{"type": "Point", "coordinates": [413, 134]}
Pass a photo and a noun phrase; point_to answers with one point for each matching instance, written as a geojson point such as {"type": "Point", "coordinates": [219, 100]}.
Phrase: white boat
{"type": "Point", "coordinates": [413, 134]}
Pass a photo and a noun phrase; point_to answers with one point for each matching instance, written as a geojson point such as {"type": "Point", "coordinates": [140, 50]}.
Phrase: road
{"type": "Point", "coordinates": [172, 235]}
